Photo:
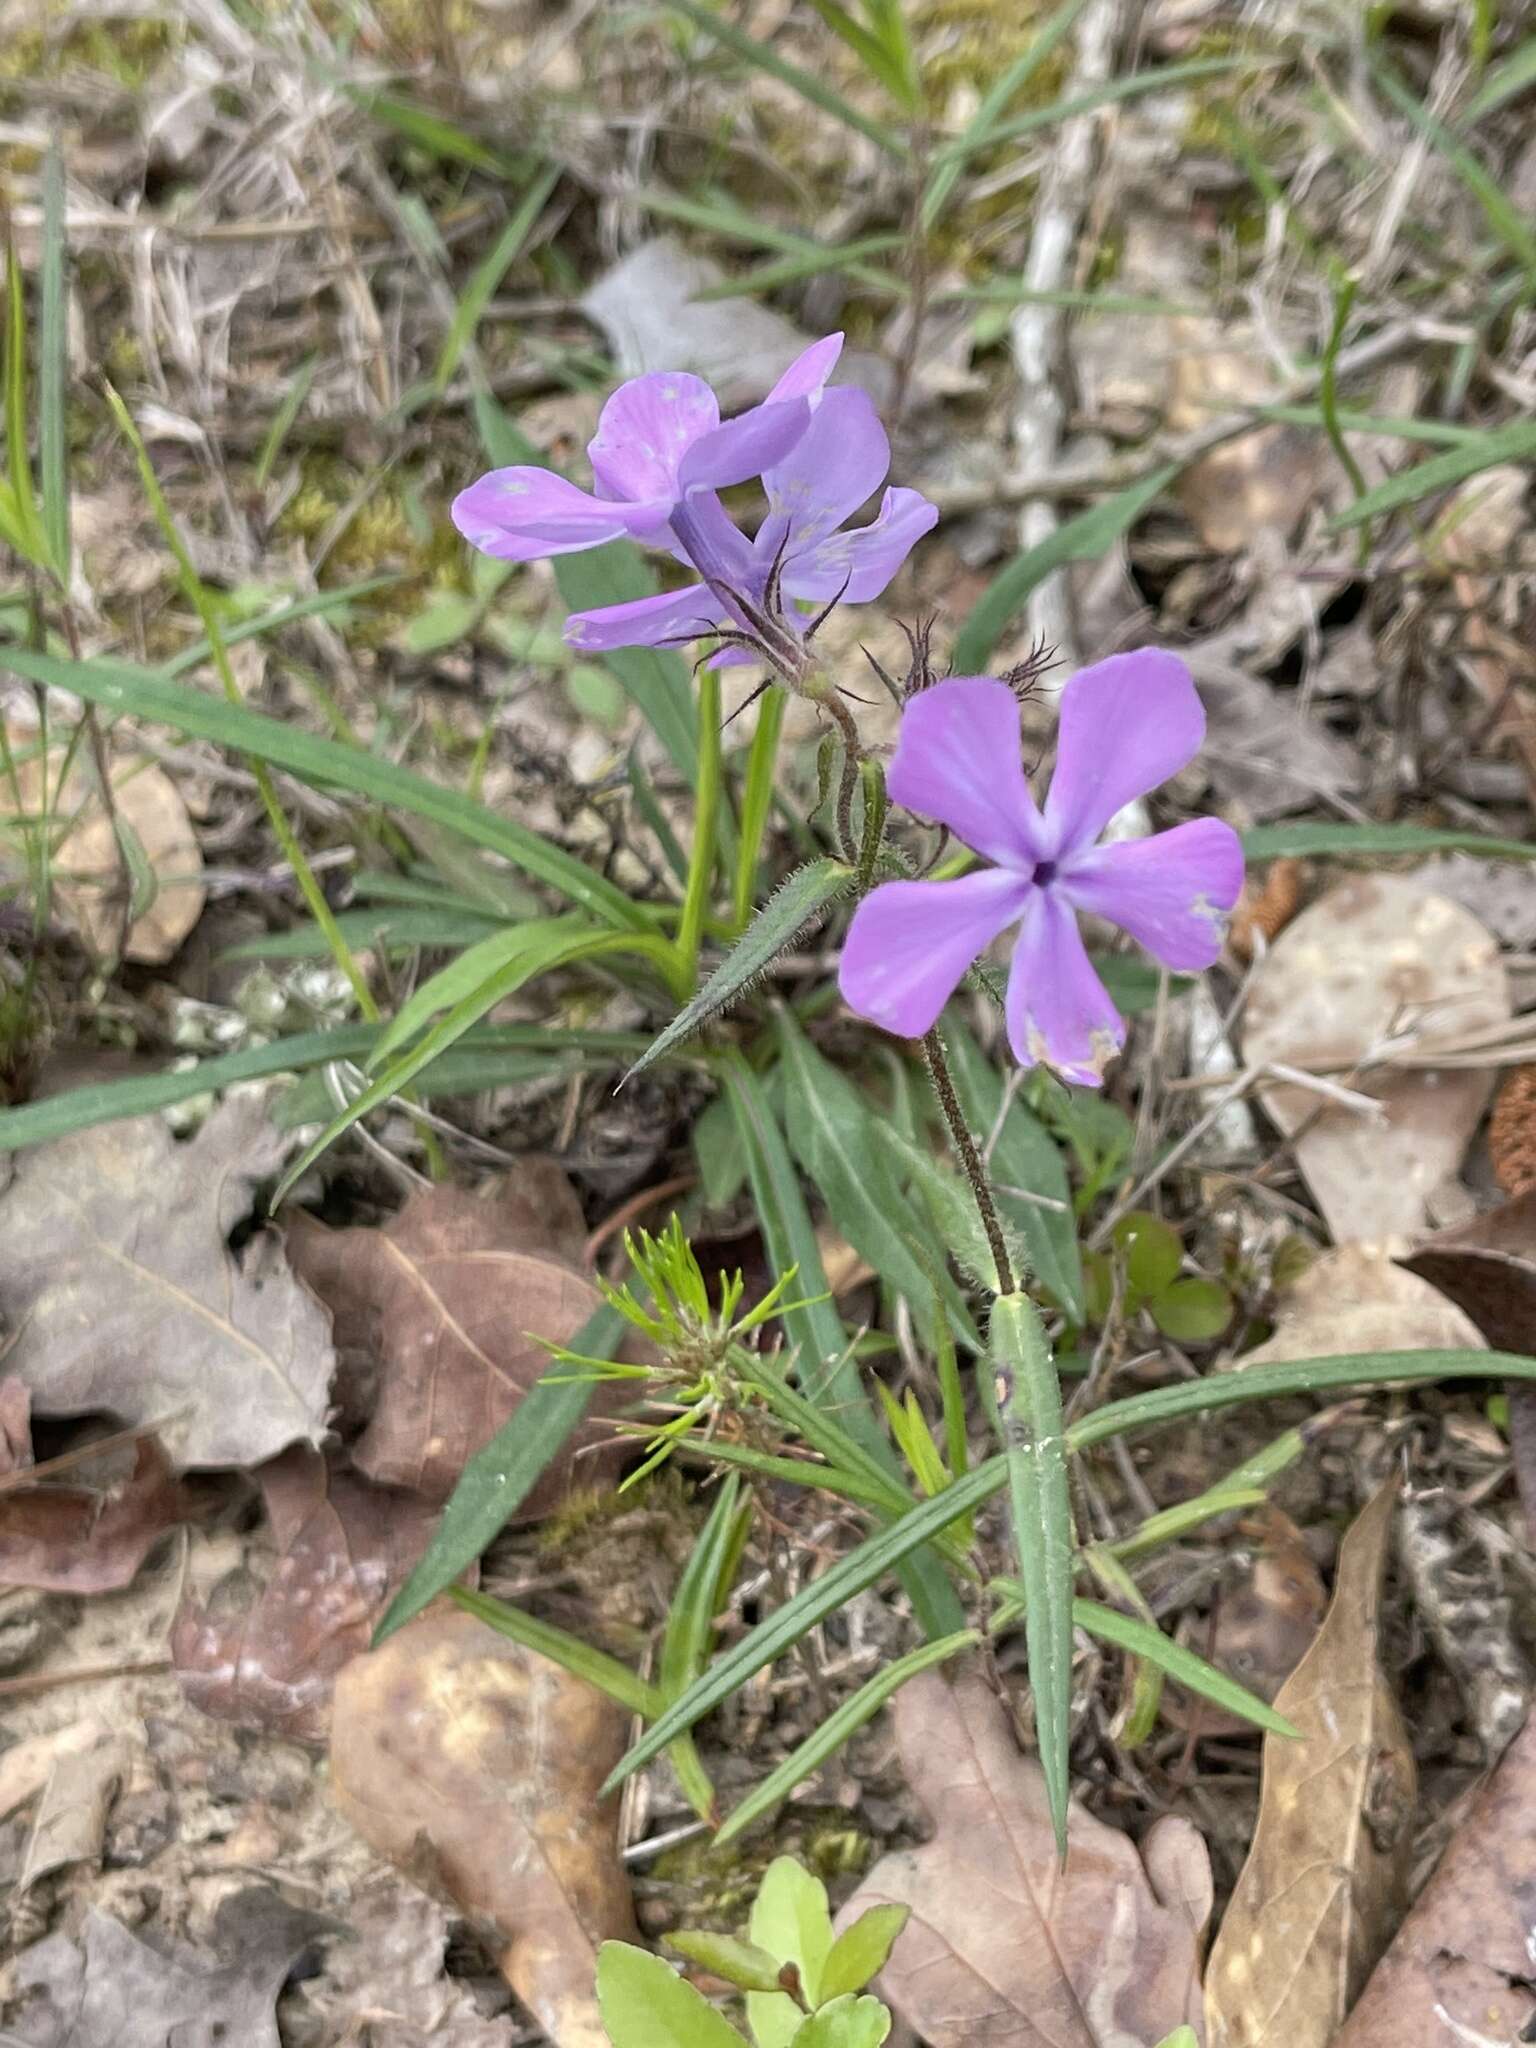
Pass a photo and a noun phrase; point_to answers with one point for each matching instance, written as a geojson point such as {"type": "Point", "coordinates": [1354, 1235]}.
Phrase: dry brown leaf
{"type": "Point", "coordinates": [78, 1993]}
{"type": "Point", "coordinates": [1375, 958]}
{"type": "Point", "coordinates": [268, 1658]}
{"type": "Point", "coordinates": [1262, 481]}
{"type": "Point", "coordinates": [1458, 1973]}
{"type": "Point", "coordinates": [384, 1986]}
{"type": "Point", "coordinates": [1325, 1881]}
{"type": "Point", "coordinates": [90, 885]}
{"type": "Point", "coordinates": [475, 1766]}
{"type": "Point", "coordinates": [90, 1532]}
{"type": "Point", "coordinates": [1004, 1947]}
{"type": "Point", "coordinates": [1357, 1298]}
{"type": "Point", "coordinates": [123, 1295]}
{"type": "Point", "coordinates": [1264, 1625]}
{"type": "Point", "coordinates": [449, 1300]}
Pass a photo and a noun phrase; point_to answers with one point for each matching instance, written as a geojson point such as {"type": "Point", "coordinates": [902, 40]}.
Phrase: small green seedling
{"type": "Point", "coordinates": [804, 1985]}
{"type": "Point", "coordinates": [1185, 1307]}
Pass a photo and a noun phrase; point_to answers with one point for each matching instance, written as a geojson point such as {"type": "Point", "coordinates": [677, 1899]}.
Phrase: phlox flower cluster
{"type": "Point", "coordinates": [660, 460]}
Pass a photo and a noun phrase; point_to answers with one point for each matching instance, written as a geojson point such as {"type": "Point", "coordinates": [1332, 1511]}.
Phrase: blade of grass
{"type": "Point", "coordinates": [1075, 540]}
{"type": "Point", "coordinates": [1506, 81]}
{"type": "Point", "coordinates": [140, 693]}
{"type": "Point", "coordinates": [504, 1471]}
{"type": "Point", "coordinates": [701, 861]}
{"type": "Point", "coordinates": [690, 1627]}
{"type": "Point", "coordinates": [1362, 842]}
{"type": "Point", "coordinates": [805, 83]}
{"type": "Point", "coordinates": [196, 593]}
{"type": "Point", "coordinates": [1503, 216]}
{"type": "Point", "coordinates": [1515, 442]}
{"type": "Point", "coordinates": [580, 1658]}
{"type": "Point", "coordinates": [53, 368]}
{"type": "Point", "coordinates": [320, 604]}
{"type": "Point", "coordinates": [812, 261]}
{"type": "Point", "coordinates": [488, 274]}
{"type": "Point", "coordinates": [282, 420]}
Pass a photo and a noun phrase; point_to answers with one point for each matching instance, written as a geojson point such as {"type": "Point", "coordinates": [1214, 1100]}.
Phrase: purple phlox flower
{"type": "Point", "coordinates": [800, 551]}
{"type": "Point", "coordinates": [1126, 725]}
{"type": "Point", "coordinates": [658, 439]}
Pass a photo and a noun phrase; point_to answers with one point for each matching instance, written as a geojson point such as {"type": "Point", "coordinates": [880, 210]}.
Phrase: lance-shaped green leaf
{"type": "Point", "coordinates": [796, 903]}
{"type": "Point", "coordinates": [813, 1603]}
{"type": "Point", "coordinates": [1309, 839]}
{"type": "Point", "coordinates": [540, 939]}
{"type": "Point", "coordinates": [690, 1626]}
{"type": "Point", "coordinates": [1024, 1401]}
{"type": "Point", "coordinates": [832, 1128]}
{"type": "Point", "coordinates": [502, 1473]}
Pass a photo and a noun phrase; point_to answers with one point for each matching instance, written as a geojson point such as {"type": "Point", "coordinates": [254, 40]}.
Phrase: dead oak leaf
{"type": "Point", "coordinates": [268, 1659]}
{"type": "Point", "coordinates": [1325, 1880]}
{"type": "Point", "coordinates": [121, 1294]}
{"type": "Point", "coordinates": [475, 1766]}
{"type": "Point", "coordinates": [1005, 1948]}
{"type": "Point", "coordinates": [90, 1533]}
{"type": "Point", "coordinates": [449, 1302]}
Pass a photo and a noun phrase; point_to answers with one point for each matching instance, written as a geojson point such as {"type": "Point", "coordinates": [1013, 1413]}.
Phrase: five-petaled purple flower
{"type": "Point", "coordinates": [1127, 724]}
{"type": "Point", "coordinates": [659, 459]}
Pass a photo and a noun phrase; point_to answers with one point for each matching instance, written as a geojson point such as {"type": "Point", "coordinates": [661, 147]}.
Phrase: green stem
{"type": "Point", "coordinates": [970, 1158]}
{"type": "Point", "coordinates": [756, 802]}
{"type": "Point", "coordinates": [701, 862]}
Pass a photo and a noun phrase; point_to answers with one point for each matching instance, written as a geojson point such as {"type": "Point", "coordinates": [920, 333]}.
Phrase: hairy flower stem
{"type": "Point", "coordinates": [849, 780]}
{"type": "Point", "coordinates": [970, 1158]}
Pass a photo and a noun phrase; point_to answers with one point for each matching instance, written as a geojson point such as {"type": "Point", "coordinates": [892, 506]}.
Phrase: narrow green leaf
{"type": "Point", "coordinates": [1023, 1398]}
{"type": "Point", "coordinates": [883, 65]}
{"type": "Point", "coordinates": [813, 1603]}
{"type": "Point", "coordinates": [1142, 1639]}
{"type": "Point", "coordinates": [490, 271]}
{"type": "Point", "coordinates": [690, 1627]}
{"type": "Point", "coordinates": [645, 2004]}
{"type": "Point", "coordinates": [282, 421]}
{"type": "Point", "coordinates": [831, 1128]}
{"type": "Point", "coordinates": [741, 1963]}
{"type": "Point", "coordinates": [140, 693]}
{"type": "Point", "coordinates": [805, 83]}
{"type": "Point", "coordinates": [581, 944]}
{"type": "Point", "coordinates": [1090, 533]}
{"type": "Point", "coordinates": [53, 367]}
{"type": "Point", "coordinates": [796, 904]}
{"type": "Point", "coordinates": [812, 261]}
{"type": "Point", "coordinates": [503, 1472]}
{"type": "Point", "coordinates": [1129, 86]}
{"type": "Point", "coordinates": [1502, 214]}
{"type": "Point", "coordinates": [1506, 81]}
{"type": "Point", "coordinates": [951, 160]}
{"type": "Point", "coordinates": [957, 1223]}
{"type": "Point", "coordinates": [1361, 842]}
{"type": "Point", "coordinates": [1515, 442]}
{"type": "Point", "coordinates": [320, 604]}
{"type": "Point", "coordinates": [862, 1950]}
{"type": "Point", "coordinates": [546, 938]}
{"type": "Point", "coordinates": [1024, 1156]}
{"type": "Point", "coordinates": [388, 928]}
{"type": "Point", "coordinates": [570, 1652]}
{"type": "Point", "coordinates": [844, 1722]}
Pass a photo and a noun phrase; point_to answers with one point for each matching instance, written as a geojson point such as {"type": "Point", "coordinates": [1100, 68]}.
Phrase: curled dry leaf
{"type": "Point", "coordinates": [93, 886]}
{"type": "Point", "coordinates": [1326, 1878]}
{"type": "Point", "coordinates": [1264, 1624]}
{"type": "Point", "coordinates": [449, 1301]}
{"type": "Point", "coordinates": [1376, 961]}
{"type": "Point", "coordinates": [268, 1659]}
{"type": "Point", "coordinates": [122, 1294]}
{"type": "Point", "coordinates": [475, 1766]}
{"type": "Point", "coordinates": [89, 1532]}
{"type": "Point", "coordinates": [1458, 1973]}
{"type": "Point", "coordinates": [1004, 1946]}
{"type": "Point", "coordinates": [78, 1993]}
{"type": "Point", "coordinates": [384, 1986]}
{"type": "Point", "coordinates": [1357, 1299]}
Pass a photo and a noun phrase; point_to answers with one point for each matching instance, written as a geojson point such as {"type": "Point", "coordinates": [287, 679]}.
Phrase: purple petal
{"type": "Point", "coordinates": [958, 760]}
{"type": "Point", "coordinates": [522, 514]}
{"type": "Point", "coordinates": [860, 564]}
{"type": "Point", "coordinates": [745, 446]}
{"type": "Point", "coordinates": [1168, 892]}
{"type": "Point", "coordinates": [648, 622]}
{"type": "Point", "coordinates": [1127, 724]}
{"type": "Point", "coordinates": [1058, 1009]}
{"type": "Point", "coordinates": [809, 371]}
{"type": "Point", "coordinates": [910, 942]}
{"type": "Point", "coordinates": [840, 460]}
{"type": "Point", "coordinates": [644, 431]}
{"type": "Point", "coordinates": [709, 540]}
